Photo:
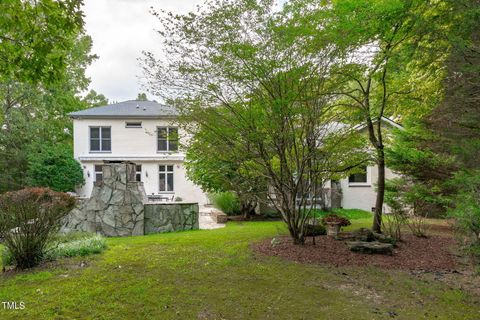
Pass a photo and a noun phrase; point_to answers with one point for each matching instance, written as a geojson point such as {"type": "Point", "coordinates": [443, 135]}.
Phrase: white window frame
{"type": "Point", "coordinates": [100, 138]}
{"type": "Point", "coordinates": [95, 172]}
{"type": "Point", "coordinates": [138, 173]}
{"type": "Point", "coordinates": [167, 139]}
{"type": "Point", "coordinates": [165, 172]}
{"type": "Point", "coordinates": [368, 183]}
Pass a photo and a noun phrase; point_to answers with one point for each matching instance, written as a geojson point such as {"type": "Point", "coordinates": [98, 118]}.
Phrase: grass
{"type": "Point", "coordinates": [214, 275]}
{"type": "Point", "coordinates": [352, 214]}
{"type": "Point", "coordinates": [66, 245]}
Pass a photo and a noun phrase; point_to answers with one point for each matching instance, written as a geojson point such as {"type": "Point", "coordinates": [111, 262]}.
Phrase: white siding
{"type": "Point", "coordinates": [363, 196]}
{"type": "Point", "coordinates": [138, 145]}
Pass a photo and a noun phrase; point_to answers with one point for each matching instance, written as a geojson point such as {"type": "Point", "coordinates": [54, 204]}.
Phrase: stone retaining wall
{"type": "Point", "coordinates": [118, 204]}
{"type": "Point", "coordinates": [166, 217]}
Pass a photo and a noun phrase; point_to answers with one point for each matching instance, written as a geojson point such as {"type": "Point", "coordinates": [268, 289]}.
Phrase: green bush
{"type": "Point", "coordinates": [315, 230]}
{"type": "Point", "coordinates": [66, 245]}
{"type": "Point", "coordinates": [227, 202]}
{"type": "Point", "coordinates": [54, 167]}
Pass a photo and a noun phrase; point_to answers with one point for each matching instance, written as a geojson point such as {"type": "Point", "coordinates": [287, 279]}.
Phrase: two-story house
{"type": "Point", "coordinates": [145, 133]}
{"type": "Point", "coordinates": [142, 132]}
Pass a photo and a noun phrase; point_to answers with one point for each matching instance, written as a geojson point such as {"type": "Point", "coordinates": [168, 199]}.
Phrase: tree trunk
{"type": "Point", "coordinates": [377, 219]}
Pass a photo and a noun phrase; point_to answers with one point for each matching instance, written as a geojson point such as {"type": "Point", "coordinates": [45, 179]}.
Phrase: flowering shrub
{"type": "Point", "coordinates": [28, 218]}
{"type": "Point", "coordinates": [335, 219]}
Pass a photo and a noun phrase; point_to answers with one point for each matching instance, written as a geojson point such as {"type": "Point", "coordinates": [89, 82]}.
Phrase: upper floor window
{"type": "Point", "coordinates": [167, 139]}
{"type": "Point", "coordinates": [360, 177]}
{"type": "Point", "coordinates": [100, 139]}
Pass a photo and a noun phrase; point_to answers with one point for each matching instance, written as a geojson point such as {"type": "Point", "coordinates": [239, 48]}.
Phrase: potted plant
{"type": "Point", "coordinates": [333, 223]}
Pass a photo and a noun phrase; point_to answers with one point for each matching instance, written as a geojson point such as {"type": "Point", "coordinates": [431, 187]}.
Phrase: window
{"type": "Point", "coordinates": [360, 177]}
{"type": "Point", "coordinates": [166, 178]}
{"type": "Point", "coordinates": [133, 124]}
{"type": "Point", "coordinates": [167, 139]}
{"type": "Point", "coordinates": [138, 172]}
{"type": "Point", "coordinates": [100, 139]}
{"type": "Point", "coordinates": [98, 172]}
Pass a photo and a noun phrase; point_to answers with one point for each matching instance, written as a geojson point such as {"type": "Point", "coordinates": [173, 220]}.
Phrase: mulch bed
{"type": "Point", "coordinates": [423, 254]}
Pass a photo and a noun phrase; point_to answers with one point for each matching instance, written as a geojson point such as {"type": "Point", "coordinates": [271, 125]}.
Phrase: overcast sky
{"type": "Point", "coordinates": [121, 29]}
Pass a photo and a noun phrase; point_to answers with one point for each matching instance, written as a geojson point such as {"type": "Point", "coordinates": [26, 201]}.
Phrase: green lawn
{"type": "Point", "coordinates": [214, 275]}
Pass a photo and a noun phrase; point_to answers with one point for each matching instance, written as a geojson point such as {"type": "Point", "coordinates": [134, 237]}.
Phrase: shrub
{"type": "Point", "coordinates": [314, 230]}
{"type": "Point", "coordinates": [54, 167]}
{"type": "Point", "coordinates": [336, 219]}
{"type": "Point", "coordinates": [467, 212]}
{"type": "Point", "coordinates": [66, 245]}
{"type": "Point", "coordinates": [28, 218]}
{"type": "Point", "coordinates": [227, 202]}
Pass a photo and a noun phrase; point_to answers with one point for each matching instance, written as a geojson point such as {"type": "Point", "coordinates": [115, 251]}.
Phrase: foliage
{"type": "Point", "coordinates": [142, 96]}
{"type": "Point", "coordinates": [28, 218]}
{"type": "Point", "coordinates": [335, 219]}
{"type": "Point", "coordinates": [260, 99]}
{"type": "Point", "coordinates": [54, 167]}
{"type": "Point", "coordinates": [226, 201]}
{"type": "Point", "coordinates": [424, 186]}
{"type": "Point", "coordinates": [35, 38]}
{"type": "Point", "coordinates": [386, 65]}
{"type": "Point", "coordinates": [217, 168]}
{"type": "Point", "coordinates": [467, 211]}
{"type": "Point", "coordinates": [37, 114]}
{"type": "Point", "coordinates": [66, 245]}
{"type": "Point", "coordinates": [392, 224]}
{"type": "Point", "coordinates": [314, 230]}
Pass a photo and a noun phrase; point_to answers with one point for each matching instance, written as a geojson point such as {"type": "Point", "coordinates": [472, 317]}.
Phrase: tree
{"type": "Point", "coordinates": [35, 38]}
{"type": "Point", "coordinates": [384, 67]}
{"type": "Point", "coordinates": [32, 114]}
{"type": "Point", "coordinates": [245, 74]}
{"type": "Point", "coordinates": [219, 168]}
{"type": "Point", "coordinates": [54, 167]}
{"type": "Point", "coordinates": [142, 97]}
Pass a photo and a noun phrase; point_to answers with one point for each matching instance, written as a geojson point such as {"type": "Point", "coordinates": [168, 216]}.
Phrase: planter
{"type": "Point", "coordinates": [333, 229]}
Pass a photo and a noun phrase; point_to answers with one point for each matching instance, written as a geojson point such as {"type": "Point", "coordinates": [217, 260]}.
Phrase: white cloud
{"type": "Point", "coordinates": [120, 30]}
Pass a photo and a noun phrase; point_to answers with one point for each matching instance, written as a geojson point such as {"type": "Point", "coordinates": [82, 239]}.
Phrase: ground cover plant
{"type": "Point", "coordinates": [214, 274]}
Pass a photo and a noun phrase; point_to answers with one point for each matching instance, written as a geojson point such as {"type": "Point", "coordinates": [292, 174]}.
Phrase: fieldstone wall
{"type": "Point", "coordinates": [115, 207]}
{"type": "Point", "coordinates": [166, 217]}
{"type": "Point", "coordinates": [118, 207]}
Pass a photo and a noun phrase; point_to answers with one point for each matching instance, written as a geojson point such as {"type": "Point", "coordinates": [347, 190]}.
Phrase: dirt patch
{"type": "Point", "coordinates": [425, 254]}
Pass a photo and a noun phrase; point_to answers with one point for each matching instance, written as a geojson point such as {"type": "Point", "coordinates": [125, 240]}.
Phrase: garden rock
{"type": "Point", "coordinates": [373, 247]}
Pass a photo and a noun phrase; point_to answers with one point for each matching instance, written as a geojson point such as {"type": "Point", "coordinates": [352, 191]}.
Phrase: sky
{"type": "Point", "coordinates": [121, 30]}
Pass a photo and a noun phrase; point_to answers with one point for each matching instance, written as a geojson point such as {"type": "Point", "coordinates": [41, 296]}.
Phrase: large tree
{"type": "Point", "coordinates": [246, 74]}
{"type": "Point", "coordinates": [35, 38]}
{"type": "Point", "coordinates": [385, 66]}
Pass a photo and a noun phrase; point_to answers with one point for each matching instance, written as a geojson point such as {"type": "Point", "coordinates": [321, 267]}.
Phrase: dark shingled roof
{"type": "Point", "coordinates": [128, 109]}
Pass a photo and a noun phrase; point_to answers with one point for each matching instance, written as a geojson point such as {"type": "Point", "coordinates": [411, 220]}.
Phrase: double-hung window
{"type": "Point", "coordinates": [166, 178]}
{"type": "Point", "coordinates": [100, 139]}
{"type": "Point", "coordinates": [167, 139]}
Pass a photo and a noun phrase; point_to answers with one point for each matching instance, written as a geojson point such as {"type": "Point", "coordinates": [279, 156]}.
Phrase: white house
{"type": "Point", "coordinates": [145, 133]}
